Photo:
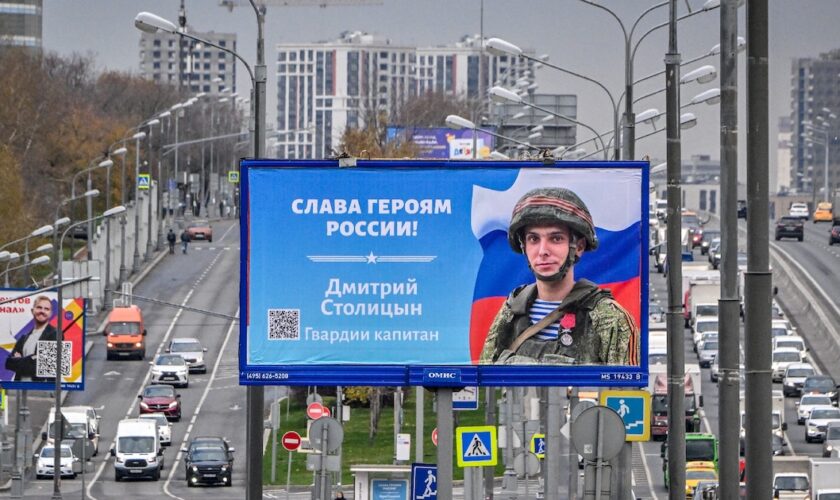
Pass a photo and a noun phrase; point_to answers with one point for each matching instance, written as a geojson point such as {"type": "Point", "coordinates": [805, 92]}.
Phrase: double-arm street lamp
{"type": "Point", "coordinates": [41, 231]}
{"type": "Point", "coordinates": [457, 122]}
{"type": "Point", "coordinates": [59, 337]}
{"type": "Point", "coordinates": [57, 258]}
{"type": "Point", "coordinates": [152, 23]}
{"type": "Point", "coordinates": [43, 259]}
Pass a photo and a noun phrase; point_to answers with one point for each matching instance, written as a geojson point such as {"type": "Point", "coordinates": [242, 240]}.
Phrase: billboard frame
{"type": "Point", "coordinates": [433, 375]}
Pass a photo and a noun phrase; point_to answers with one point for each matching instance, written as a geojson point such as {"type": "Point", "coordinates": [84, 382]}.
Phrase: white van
{"type": "Point", "coordinates": [137, 451]}
{"type": "Point", "coordinates": [79, 426]}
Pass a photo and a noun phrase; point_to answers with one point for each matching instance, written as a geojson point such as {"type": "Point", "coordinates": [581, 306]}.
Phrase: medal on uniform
{"type": "Point", "coordinates": [566, 339]}
{"type": "Point", "coordinates": [567, 324]}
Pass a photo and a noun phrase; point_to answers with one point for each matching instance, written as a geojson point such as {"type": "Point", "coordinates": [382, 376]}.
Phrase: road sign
{"type": "Point", "coordinates": [538, 445]}
{"type": "Point", "coordinates": [596, 426]}
{"type": "Point", "coordinates": [423, 481]}
{"type": "Point", "coordinates": [143, 181]}
{"type": "Point", "coordinates": [634, 409]}
{"type": "Point", "coordinates": [465, 399]}
{"type": "Point", "coordinates": [476, 446]}
{"type": "Point", "coordinates": [434, 436]}
{"type": "Point", "coordinates": [334, 434]}
{"type": "Point", "coordinates": [526, 464]}
{"type": "Point", "coordinates": [233, 176]}
{"type": "Point", "coordinates": [316, 411]}
{"type": "Point", "coordinates": [290, 440]}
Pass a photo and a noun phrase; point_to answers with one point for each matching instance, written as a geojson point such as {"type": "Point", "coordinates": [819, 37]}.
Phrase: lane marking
{"type": "Point", "coordinates": [647, 472]}
{"type": "Point", "coordinates": [133, 403]}
{"type": "Point", "coordinates": [177, 460]}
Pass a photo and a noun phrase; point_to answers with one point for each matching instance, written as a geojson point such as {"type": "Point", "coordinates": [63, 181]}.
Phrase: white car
{"type": "Point", "coordinates": [704, 337]}
{"type": "Point", "coordinates": [818, 420]}
{"type": "Point", "coordinates": [780, 327]}
{"type": "Point", "coordinates": [782, 358]}
{"type": "Point", "coordinates": [163, 426]}
{"type": "Point", "coordinates": [795, 376]}
{"type": "Point", "coordinates": [44, 466]}
{"type": "Point", "coordinates": [190, 349]}
{"type": "Point", "coordinates": [702, 325]}
{"type": "Point", "coordinates": [807, 403]}
{"type": "Point", "coordinates": [170, 369]}
{"type": "Point", "coordinates": [799, 210]}
{"type": "Point", "coordinates": [707, 352]}
{"type": "Point", "coordinates": [794, 341]}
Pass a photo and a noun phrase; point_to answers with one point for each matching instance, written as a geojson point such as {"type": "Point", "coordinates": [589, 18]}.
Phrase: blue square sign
{"type": "Point", "coordinates": [634, 409]}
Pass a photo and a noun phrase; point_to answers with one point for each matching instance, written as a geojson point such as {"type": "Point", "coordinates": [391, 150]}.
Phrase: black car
{"type": "Point", "coordinates": [790, 227]}
{"type": "Point", "coordinates": [708, 237]}
{"type": "Point", "coordinates": [821, 384]}
{"type": "Point", "coordinates": [208, 460]}
{"type": "Point", "coordinates": [834, 235]}
{"type": "Point", "coordinates": [742, 209]}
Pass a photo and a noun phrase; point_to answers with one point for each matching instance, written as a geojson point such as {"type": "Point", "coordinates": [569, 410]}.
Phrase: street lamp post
{"type": "Point", "coordinates": [59, 339]}
{"type": "Point", "coordinates": [151, 23]}
{"type": "Point", "coordinates": [137, 138]}
{"type": "Point", "coordinates": [161, 181]}
{"type": "Point", "coordinates": [151, 123]}
{"type": "Point", "coordinates": [41, 231]}
{"type": "Point", "coordinates": [456, 121]}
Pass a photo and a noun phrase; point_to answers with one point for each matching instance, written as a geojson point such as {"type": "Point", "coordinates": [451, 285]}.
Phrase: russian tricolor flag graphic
{"type": "Point", "coordinates": [613, 199]}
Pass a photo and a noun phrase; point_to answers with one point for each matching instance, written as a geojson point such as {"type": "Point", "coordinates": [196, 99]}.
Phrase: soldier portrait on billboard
{"type": "Point", "coordinates": [558, 320]}
{"type": "Point", "coordinates": [24, 356]}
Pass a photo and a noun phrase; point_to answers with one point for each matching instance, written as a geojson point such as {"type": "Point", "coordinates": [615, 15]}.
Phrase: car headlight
{"type": "Point", "coordinates": [224, 468]}
{"type": "Point", "coordinates": [153, 459]}
{"type": "Point", "coordinates": [173, 404]}
{"type": "Point", "coordinates": [119, 460]}
{"type": "Point", "coordinates": [138, 344]}
{"type": "Point", "coordinates": [144, 405]}
{"type": "Point", "coordinates": [194, 468]}
{"type": "Point", "coordinates": [829, 448]}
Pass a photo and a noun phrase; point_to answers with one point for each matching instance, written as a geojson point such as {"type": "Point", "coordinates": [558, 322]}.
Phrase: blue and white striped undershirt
{"type": "Point", "coordinates": [540, 310]}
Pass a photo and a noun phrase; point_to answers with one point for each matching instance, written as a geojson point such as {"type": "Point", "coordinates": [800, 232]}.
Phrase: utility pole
{"type": "Point", "coordinates": [729, 303]}
{"type": "Point", "coordinates": [757, 281]}
{"type": "Point", "coordinates": [676, 335]}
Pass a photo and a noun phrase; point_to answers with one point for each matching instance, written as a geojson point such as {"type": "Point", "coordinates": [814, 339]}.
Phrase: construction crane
{"type": "Point", "coordinates": [262, 4]}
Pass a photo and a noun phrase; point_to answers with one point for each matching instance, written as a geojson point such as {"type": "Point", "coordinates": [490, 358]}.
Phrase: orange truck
{"type": "Point", "coordinates": [125, 333]}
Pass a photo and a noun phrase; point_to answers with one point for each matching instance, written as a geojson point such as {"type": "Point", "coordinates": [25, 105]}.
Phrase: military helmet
{"type": "Point", "coordinates": [551, 206]}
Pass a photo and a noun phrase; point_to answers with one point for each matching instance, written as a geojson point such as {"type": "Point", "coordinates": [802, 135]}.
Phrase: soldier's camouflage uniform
{"type": "Point", "coordinates": [603, 332]}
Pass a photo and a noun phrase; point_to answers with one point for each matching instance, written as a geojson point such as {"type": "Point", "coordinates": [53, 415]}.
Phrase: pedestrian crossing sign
{"type": "Point", "coordinates": [476, 446]}
{"type": "Point", "coordinates": [538, 445]}
{"type": "Point", "coordinates": [233, 176]}
{"type": "Point", "coordinates": [634, 409]}
{"type": "Point", "coordinates": [143, 181]}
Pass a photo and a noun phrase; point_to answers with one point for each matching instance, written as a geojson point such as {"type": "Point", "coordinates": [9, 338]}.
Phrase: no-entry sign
{"type": "Point", "coordinates": [434, 436]}
{"type": "Point", "coordinates": [290, 440]}
{"type": "Point", "coordinates": [316, 411]}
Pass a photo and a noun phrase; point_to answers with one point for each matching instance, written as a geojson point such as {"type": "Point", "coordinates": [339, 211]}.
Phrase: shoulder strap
{"type": "Point", "coordinates": [536, 327]}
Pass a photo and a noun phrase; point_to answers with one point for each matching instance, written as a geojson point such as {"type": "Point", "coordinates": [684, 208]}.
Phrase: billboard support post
{"type": "Point", "coordinates": [446, 435]}
{"type": "Point", "coordinates": [418, 436]}
{"type": "Point", "coordinates": [552, 441]}
{"type": "Point", "coordinates": [490, 419]}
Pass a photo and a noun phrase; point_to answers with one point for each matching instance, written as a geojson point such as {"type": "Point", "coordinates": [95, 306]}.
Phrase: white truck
{"type": "Point", "coordinates": [703, 293]}
{"type": "Point", "coordinates": [791, 479]}
{"type": "Point", "coordinates": [825, 478]}
{"type": "Point", "coordinates": [137, 450]}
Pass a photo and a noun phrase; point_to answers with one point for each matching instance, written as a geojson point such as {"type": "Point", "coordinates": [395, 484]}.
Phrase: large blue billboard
{"type": "Point", "coordinates": [392, 272]}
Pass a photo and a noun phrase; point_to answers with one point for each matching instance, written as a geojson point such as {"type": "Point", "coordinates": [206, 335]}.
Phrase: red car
{"type": "Point", "coordinates": [163, 399]}
{"type": "Point", "coordinates": [200, 230]}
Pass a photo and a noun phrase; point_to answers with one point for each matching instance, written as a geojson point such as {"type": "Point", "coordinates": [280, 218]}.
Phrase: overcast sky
{"type": "Point", "coordinates": [577, 36]}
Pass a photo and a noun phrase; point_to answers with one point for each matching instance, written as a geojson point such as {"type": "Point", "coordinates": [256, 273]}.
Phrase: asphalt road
{"type": "Point", "coordinates": [207, 278]}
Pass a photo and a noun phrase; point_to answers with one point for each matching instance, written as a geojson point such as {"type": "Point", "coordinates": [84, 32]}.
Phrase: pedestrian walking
{"type": "Point", "coordinates": [170, 237]}
{"type": "Point", "coordinates": [185, 240]}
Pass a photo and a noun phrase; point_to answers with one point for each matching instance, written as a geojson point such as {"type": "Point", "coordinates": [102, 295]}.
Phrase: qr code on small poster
{"type": "Point", "coordinates": [284, 324]}
{"type": "Point", "coordinates": [45, 366]}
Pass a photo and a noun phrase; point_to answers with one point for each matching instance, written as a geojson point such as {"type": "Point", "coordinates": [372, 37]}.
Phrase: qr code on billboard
{"type": "Point", "coordinates": [284, 324]}
{"type": "Point", "coordinates": [45, 366]}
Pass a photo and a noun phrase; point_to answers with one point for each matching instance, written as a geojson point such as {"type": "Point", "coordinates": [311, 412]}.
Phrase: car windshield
{"type": "Point", "coordinates": [819, 383]}
{"type": "Point", "coordinates": [789, 220]}
{"type": "Point", "coordinates": [208, 454]}
{"type": "Point", "coordinates": [49, 452]}
{"type": "Point", "coordinates": [829, 496]}
{"type": "Point", "coordinates": [799, 483]}
{"type": "Point", "coordinates": [796, 344]}
{"type": "Point", "coordinates": [819, 414]}
{"type": "Point", "coordinates": [776, 421]}
{"type": "Point", "coordinates": [778, 331]}
{"type": "Point", "coordinates": [815, 400]}
{"type": "Point", "coordinates": [707, 326]}
{"type": "Point", "coordinates": [707, 310]}
{"type": "Point", "coordinates": [800, 372]}
{"type": "Point", "coordinates": [658, 359]}
{"type": "Point", "coordinates": [136, 444]}
{"type": "Point", "coordinates": [690, 221]}
{"type": "Point", "coordinates": [159, 418]}
{"type": "Point", "coordinates": [158, 391]}
{"type": "Point", "coordinates": [786, 356]}
{"type": "Point", "coordinates": [170, 361]}
{"type": "Point", "coordinates": [832, 432]}
{"type": "Point", "coordinates": [710, 345]}
{"type": "Point", "coordinates": [185, 346]}
{"type": "Point", "coordinates": [700, 474]}
{"type": "Point", "coordinates": [699, 450]}
{"type": "Point", "coordinates": [124, 328]}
